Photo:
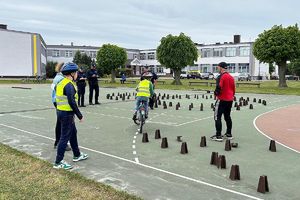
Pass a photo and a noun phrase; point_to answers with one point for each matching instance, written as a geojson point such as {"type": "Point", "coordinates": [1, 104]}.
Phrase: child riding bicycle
{"type": "Point", "coordinates": [144, 92]}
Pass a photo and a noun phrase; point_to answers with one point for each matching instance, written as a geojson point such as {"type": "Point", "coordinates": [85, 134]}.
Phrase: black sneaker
{"type": "Point", "coordinates": [134, 117]}
{"type": "Point", "coordinates": [98, 103]}
{"type": "Point", "coordinates": [91, 103]}
{"type": "Point", "coordinates": [216, 138]}
{"type": "Point", "coordinates": [227, 136]}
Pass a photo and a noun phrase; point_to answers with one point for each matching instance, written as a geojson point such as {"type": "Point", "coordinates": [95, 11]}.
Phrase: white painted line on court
{"type": "Point", "coordinates": [136, 133]}
{"type": "Point", "coordinates": [134, 137]}
{"type": "Point", "coordinates": [133, 146]}
{"type": "Point", "coordinates": [254, 123]}
{"type": "Point", "coordinates": [137, 160]}
{"type": "Point", "coordinates": [133, 141]}
{"type": "Point", "coordinates": [134, 152]}
{"type": "Point", "coordinates": [146, 166]}
{"type": "Point", "coordinates": [194, 121]}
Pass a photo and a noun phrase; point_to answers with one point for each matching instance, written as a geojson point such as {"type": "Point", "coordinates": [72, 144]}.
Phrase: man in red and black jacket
{"type": "Point", "coordinates": [224, 92]}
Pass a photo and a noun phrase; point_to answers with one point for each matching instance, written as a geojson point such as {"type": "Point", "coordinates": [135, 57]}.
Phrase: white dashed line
{"type": "Point", "coordinates": [137, 160]}
{"type": "Point", "coordinates": [133, 146]}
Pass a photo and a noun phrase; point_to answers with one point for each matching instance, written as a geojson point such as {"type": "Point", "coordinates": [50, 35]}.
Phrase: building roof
{"type": "Point", "coordinates": [23, 32]}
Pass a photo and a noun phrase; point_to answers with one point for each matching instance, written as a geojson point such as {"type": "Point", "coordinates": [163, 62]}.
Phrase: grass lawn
{"type": "Point", "coordinates": [25, 177]}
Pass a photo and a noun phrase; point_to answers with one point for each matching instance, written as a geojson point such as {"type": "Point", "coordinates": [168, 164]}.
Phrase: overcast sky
{"type": "Point", "coordinates": [140, 24]}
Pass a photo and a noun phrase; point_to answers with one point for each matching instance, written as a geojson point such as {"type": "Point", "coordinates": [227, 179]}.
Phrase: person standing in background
{"type": "Point", "coordinates": [92, 76]}
{"type": "Point", "coordinates": [224, 92]}
{"type": "Point", "coordinates": [81, 86]}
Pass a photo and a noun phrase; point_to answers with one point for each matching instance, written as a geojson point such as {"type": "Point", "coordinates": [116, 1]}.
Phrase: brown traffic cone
{"type": "Point", "coordinates": [212, 105]}
{"type": "Point", "coordinates": [263, 185]}
{"type": "Point", "coordinates": [164, 143]}
{"type": "Point", "coordinates": [177, 107]}
{"type": "Point", "coordinates": [235, 104]}
{"type": "Point", "coordinates": [111, 98]}
{"type": "Point", "coordinates": [145, 138]}
{"type": "Point", "coordinates": [107, 96]}
{"type": "Point", "coordinates": [179, 96]}
{"type": "Point", "coordinates": [211, 96]}
{"type": "Point", "coordinates": [201, 107]}
{"type": "Point", "coordinates": [254, 100]}
{"type": "Point", "coordinates": [192, 105]}
{"type": "Point", "coordinates": [202, 96]}
{"type": "Point", "coordinates": [173, 97]}
{"type": "Point", "coordinates": [155, 104]}
{"type": "Point", "coordinates": [184, 149]}
{"type": "Point", "coordinates": [214, 158]}
{"type": "Point", "coordinates": [235, 173]}
{"type": "Point", "coordinates": [259, 100]}
{"type": "Point", "coordinates": [234, 145]}
{"type": "Point", "coordinates": [251, 107]}
{"type": "Point", "coordinates": [272, 146]}
{"type": "Point", "coordinates": [227, 145]}
{"type": "Point", "coordinates": [157, 134]}
{"type": "Point", "coordinates": [113, 94]}
{"type": "Point", "coordinates": [170, 104]}
{"type": "Point", "coordinates": [179, 139]}
{"type": "Point", "coordinates": [238, 107]}
{"type": "Point", "coordinates": [221, 162]}
{"type": "Point", "coordinates": [159, 102]}
{"type": "Point", "coordinates": [203, 141]}
{"type": "Point", "coordinates": [117, 98]}
{"type": "Point", "coordinates": [206, 97]}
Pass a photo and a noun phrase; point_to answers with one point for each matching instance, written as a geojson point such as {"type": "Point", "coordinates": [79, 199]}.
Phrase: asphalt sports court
{"type": "Point", "coordinates": [119, 158]}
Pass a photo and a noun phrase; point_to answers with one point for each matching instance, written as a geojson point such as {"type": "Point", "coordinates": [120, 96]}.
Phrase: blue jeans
{"type": "Point", "coordinates": [68, 133]}
{"type": "Point", "coordinates": [138, 102]}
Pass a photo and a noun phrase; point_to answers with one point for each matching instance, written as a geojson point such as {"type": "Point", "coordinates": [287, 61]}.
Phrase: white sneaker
{"type": "Point", "coordinates": [62, 165]}
{"type": "Point", "coordinates": [82, 156]}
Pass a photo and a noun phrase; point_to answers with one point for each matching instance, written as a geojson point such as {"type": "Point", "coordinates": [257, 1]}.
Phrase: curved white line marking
{"type": "Point", "coordinates": [254, 124]}
{"type": "Point", "coordinates": [146, 166]}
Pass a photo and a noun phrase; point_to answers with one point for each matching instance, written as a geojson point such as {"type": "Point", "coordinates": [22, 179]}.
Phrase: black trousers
{"type": "Point", "coordinates": [151, 101]}
{"type": "Point", "coordinates": [81, 92]}
{"type": "Point", "coordinates": [223, 107]}
{"type": "Point", "coordinates": [57, 130]}
{"type": "Point", "coordinates": [93, 86]}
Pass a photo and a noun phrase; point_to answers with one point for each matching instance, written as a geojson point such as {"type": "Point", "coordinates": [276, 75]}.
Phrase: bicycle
{"type": "Point", "coordinates": [141, 116]}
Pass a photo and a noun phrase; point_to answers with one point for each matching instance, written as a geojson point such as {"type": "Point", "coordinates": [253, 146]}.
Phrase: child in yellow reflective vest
{"type": "Point", "coordinates": [144, 92]}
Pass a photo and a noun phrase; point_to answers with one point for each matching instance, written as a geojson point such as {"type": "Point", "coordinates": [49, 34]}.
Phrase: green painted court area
{"type": "Point", "coordinates": [119, 158]}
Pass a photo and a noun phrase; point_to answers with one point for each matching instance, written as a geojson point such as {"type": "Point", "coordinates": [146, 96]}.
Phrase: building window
{"type": "Point", "coordinates": [159, 69]}
{"type": "Point", "coordinates": [244, 51]}
{"type": "Point", "coordinates": [69, 54]}
{"type": "Point", "coordinates": [195, 67]}
{"type": "Point", "coordinates": [218, 52]}
{"type": "Point", "coordinates": [134, 56]}
{"type": "Point", "coordinates": [230, 51]}
{"type": "Point", "coordinates": [231, 67]}
{"type": "Point", "coordinates": [142, 56]}
{"type": "Point", "coordinates": [205, 53]}
{"type": "Point", "coordinates": [215, 68]}
{"type": "Point", "coordinates": [55, 53]}
{"type": "Point", "coordinates": [204, 68]}
{"type": "Point", "coordinates": [244, 67]}
{"type": "Point", "coordinates": [151, 56]}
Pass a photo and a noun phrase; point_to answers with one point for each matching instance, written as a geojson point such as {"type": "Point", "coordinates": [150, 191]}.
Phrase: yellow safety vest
{"type": "Point", "coordinates": [61, 99]}
{"type": "Point", "coordinates": [143, 89]}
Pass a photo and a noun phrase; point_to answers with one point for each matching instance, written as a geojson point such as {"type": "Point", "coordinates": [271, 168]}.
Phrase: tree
{"type": "Point", "coordinates": [111, 57]}
{"type": "Point", "coordinates": [278, 45]}
{"type": "Point", "coordinates": [82, 59]}
{"type": "Point", "coordinates": [50, 69]}
{"type": "Point", "coordinates": [77, 57]}
{"type": "Point", "coordinates": [294, 67]}
{"type": "Point", "coordinates": [176, 52]}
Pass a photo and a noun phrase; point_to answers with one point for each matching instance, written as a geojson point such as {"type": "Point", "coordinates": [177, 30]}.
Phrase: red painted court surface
{"type": "Point", "coordinates": [118, 156]}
